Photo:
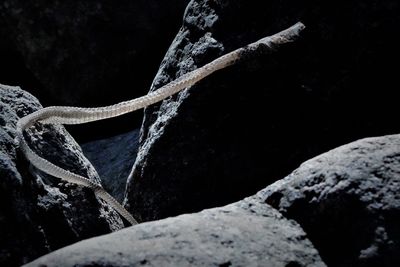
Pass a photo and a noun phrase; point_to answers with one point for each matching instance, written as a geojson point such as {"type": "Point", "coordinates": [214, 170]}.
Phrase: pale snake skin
{"type": "Point", "coordinates": [76, 115]}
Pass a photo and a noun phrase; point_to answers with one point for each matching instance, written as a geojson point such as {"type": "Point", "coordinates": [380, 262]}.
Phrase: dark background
{"type": "Point", "coordinates": [88, 54]}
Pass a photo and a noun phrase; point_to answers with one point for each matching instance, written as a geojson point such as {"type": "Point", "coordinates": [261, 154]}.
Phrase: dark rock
{"type": "Point", "coordinates": [113, 159]}
{"type": "Point", "coordinates": [247, 233]}
{"type": "Point", "coordinates": [38, 213]}
{"type": "Point", "coordinates": [348, 202]}
{"type": "Point", "coordinates": [247, 126]}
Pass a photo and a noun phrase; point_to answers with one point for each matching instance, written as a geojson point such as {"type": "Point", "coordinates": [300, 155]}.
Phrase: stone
{"type": "Point", "coordinates": [247, 233]}
{"type": "Point", "coordinates": [347, 201]}
{"type": "Point", "coordinates": [113, 159]}
{"type": "Point", "coordinates": [245, 127]}
{"type": "Point", "coordinates": [39, 213]}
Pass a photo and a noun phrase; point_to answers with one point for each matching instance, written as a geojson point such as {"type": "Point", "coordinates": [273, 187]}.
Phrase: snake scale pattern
{"type": "Point", "coordinates": [77, 115]}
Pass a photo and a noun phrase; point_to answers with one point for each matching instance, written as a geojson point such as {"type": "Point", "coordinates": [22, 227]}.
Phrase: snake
{"type": "Point", "coordinates": [79, 115]}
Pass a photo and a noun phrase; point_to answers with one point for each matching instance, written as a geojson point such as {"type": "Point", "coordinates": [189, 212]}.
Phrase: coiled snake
{"type": "Point", "coordinates": [77, 115]}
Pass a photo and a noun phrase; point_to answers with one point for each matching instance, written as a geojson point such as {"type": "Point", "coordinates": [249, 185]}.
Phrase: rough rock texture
{"type": "Point", "coordinates": [91, 52]}
{"type": "Point", "coordinates": [113, 159]}
{"type": "Point", "coordinates": [247, 126]}
{"type": "Point", "coordinates": [348, 202]}
{"type": "Point", "coordinates": [247, 233]}
{"type": "Point", "coordinates": [38, 213]}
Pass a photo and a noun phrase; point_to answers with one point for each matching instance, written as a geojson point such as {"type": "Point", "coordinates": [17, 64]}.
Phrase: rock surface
{"type": "Point", "coordinates": [38, 213]}
{"type": "Point", "coordinates": [247, 126]}
{"type": "Point", "coordinates": [247, 233]}
{"type": "Point", "coordinates": [348, 202]}
{"type": "Point", "coordinates": [113, 159]}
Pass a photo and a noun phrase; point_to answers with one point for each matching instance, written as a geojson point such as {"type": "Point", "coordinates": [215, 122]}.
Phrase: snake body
{"type": "Point", "coordinates": [78, 115]}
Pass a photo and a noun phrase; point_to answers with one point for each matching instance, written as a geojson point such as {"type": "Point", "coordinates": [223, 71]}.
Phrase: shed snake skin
{"type": "Point", "coordinates": [78, 115]}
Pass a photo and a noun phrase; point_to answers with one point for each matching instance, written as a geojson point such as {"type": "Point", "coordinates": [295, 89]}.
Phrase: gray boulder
{"type": "Point", "coordinates": [247, 233]}
{"type": "Point", "coordinates": [247, 126]}
{"type": "Point", "coordinates": [348, 202]}
{"type": "Point", "coordinates": [38, 213]}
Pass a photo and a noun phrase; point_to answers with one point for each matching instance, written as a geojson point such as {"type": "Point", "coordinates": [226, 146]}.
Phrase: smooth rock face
{"type": "Point", "coordinates": [91, 52]}
{"type": "Point", "coordinates": [348, 202]}
{"type": "Point", "coordinates": [38, 213]}
{"type": "Point", "coordinates": [247, 233]}
{"type": "Point", "coordinates": [113, 159]}
{"type": "Point", "coordinates": [247, 126]}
